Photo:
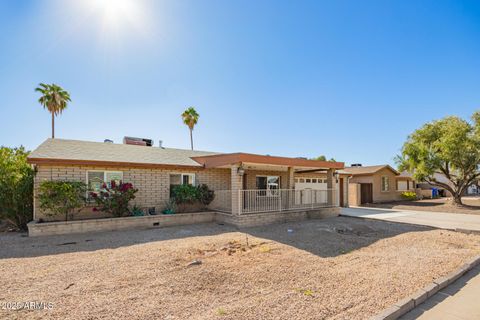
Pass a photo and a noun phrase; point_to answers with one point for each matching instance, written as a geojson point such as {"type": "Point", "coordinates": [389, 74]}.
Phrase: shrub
{"type": "Point", "coordinates": [170, 207]}
{"type": "Point", "coordinates": [409, 195]}
{"type": "Point", "coordinates": [114, 199]}
{"type": "Point", "coordinates": [188, 194]}
{"type": "Point", "coordinates": [61, 197]}
{"type": "Point", "coordinates": [205, 195]}
{"type": "Point", "coordinates": [16, 187]}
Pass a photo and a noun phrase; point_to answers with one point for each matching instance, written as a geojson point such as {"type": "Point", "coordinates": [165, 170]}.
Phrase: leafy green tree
{"type": "Point", "coordinates": [323, 158]}
{"type": "Point", "coordinates": [54, 99]}
{"type": "Point", "coordinates": [16, 187]}
{"type": "Point", "coordinates": [62, 197]}
{"type": "Point", "coordinates": [450, 147]}
{"type": "Point", "coordinates": [190, 118]}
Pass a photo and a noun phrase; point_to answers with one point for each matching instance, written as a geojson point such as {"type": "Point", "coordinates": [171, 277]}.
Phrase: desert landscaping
{"type": "Point", "coordinates": [337, 268]}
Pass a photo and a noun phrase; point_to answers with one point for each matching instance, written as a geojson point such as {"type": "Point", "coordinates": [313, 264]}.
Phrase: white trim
{"type": "Point", "coordinates": [182, 174]}
{"type": "Point", "coordinates": [381, 183]}
{"type": "Point", "coordinates": [104, 177]}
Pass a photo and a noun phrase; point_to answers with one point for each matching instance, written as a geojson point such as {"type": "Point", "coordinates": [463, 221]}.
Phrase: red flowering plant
{"type": "Point", "coordinates": [114, 199]}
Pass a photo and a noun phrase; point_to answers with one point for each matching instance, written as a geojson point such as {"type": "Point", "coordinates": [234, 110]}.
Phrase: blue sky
{"type": "Point", "coordinates": [348, 79]}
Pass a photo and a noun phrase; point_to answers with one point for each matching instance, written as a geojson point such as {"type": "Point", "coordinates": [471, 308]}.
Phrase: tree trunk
{"type": "Point", "coordinates": [191, 138]}
{"type": "Point", "coordinates": [53, 125]}
{"type": "Point", "coordinates": [457, 199]}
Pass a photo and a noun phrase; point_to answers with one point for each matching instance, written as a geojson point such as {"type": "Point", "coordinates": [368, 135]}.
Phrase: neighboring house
{"type": "Point", "coordinates": [381, 183]}
{"type": "Point", "coordinates": [243, 183]}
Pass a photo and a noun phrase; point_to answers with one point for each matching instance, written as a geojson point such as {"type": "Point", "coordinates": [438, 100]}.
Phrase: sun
{"type": "Point", "coordinates": [116, 11]}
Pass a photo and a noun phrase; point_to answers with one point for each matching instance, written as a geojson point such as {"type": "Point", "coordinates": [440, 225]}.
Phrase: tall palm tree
{"type": "Point", "coordinates": [190, 118]}
{"type": "Point", "coordinates": [54, 99]}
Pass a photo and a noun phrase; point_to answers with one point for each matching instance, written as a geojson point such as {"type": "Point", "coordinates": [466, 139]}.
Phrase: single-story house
{"type": "Point", "coordinates": [243, 183]}
{"type": "Point", "coordinates": [380, 183]}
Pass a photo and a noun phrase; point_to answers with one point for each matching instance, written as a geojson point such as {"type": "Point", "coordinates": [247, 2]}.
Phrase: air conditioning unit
{"type": "Point", "coordinates": [138, 141]}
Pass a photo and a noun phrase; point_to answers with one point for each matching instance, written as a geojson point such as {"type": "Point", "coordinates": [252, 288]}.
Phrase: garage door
{"type": "Point", "coordinates": [310, 184]}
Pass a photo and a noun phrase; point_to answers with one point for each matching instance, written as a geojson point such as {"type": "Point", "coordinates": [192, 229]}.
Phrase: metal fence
{"type": "Point", "coordinates": [255, 201]}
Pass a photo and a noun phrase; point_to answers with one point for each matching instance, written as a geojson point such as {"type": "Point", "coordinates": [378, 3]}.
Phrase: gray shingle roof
{"type": "Point", "coordinates": [62, 149]}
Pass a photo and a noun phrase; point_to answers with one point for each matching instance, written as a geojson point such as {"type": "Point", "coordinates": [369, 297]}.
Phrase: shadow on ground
{"type": "Point", "coordinates": [325, 238]}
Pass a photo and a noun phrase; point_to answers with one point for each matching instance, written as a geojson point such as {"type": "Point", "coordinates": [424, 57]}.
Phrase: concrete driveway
{"type": "Point", "coordinates": [452, 221]}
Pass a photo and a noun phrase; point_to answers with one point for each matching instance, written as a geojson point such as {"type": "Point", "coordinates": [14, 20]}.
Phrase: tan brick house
{"type": "Point", "coordinates": [380, 183]}
{"type": "Point", "coordinates": [243, 183]}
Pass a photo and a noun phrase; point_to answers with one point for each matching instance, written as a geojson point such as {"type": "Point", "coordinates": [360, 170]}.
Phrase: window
{"type": "Point", "coordinates": [270, 184]}
{"type": "Point", "coordinates": [177, 179]}
{"type": "Point", "coordinates": [182, 178]}
{"type": "Point", "coordinates": [302, 180]}
{"type": "Point", "coordinates": [385, 184]}
{"type": "Point", "coordinates": [96, 179]}
{"type": "Point", "coordinates": [402, 185]}
{"type": "Point", "coordinates": [314, 180]}
{"type": "Point", "coordinates": [308, 180]}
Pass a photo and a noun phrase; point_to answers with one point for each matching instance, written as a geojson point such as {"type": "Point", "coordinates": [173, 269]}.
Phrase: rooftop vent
{"type": "Point", "coordinates": [356, 165]}
{"type": "Point", "coordinates": [160, 143]}
{"type": "Point", "coordinates": [138, 141]}
{"type": "Point", "coordinates": [108, 141]}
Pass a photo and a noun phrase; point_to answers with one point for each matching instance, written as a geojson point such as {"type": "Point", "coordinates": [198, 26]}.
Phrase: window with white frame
{"type": "Point", "coordinates": [96, 179]}
{"type": "Point", "coordinates": [385, 184]}
{"type": "Point", "coordinates": [177, 179]}
{"type": "Point", "coordinates": [402, 185]}
{"type": "Point", "coordinates": [270, 185]}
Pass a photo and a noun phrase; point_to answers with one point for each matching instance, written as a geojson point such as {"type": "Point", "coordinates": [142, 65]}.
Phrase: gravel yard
{"type": "Point", "coordinates": [339, 268]}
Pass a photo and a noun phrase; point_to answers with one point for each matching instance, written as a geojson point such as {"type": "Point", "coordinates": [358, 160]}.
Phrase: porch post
{"type": "Point", "coordinates": [330, 191]}
{"type": "Point", "coordinates": [291, 179]}
{"type": "Point", "coordinates": [236, 186]}
{"type": "Point", "coordinates": [290, 195]}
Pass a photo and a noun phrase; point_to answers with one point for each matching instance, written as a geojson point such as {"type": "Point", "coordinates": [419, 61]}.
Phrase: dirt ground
{"type": "Point", "coordinates": [471, 205]}
{"type": "Point", "coordinates": [338, 268]}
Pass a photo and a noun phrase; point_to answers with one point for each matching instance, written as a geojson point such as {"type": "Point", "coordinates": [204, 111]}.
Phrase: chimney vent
{"type": "Point", "coordinates": [108, 141]}
{"type": "Point", "coordinates": [160, 143]}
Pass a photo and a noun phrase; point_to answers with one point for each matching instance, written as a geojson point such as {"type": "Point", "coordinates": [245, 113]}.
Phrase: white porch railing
{"type": "Point", "coordinates": [255, 201]}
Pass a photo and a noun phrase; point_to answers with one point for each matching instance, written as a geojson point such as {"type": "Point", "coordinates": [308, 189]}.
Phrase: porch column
{"type": "Point", "coordinates": [330, 191]}
{"type": "Point", "coordinates": [236, 186]}
{"type": "Point", "coordinates": [291, 179]}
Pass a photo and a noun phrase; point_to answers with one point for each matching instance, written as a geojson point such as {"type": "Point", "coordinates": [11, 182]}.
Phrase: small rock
{"type": "Point", "coordinates": [195, 263]}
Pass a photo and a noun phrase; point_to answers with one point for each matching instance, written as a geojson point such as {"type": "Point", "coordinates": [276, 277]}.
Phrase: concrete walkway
{"type": "Point", "coordinates": [442, 220]}
{"type": "Point", "coordinates": [458, 301]}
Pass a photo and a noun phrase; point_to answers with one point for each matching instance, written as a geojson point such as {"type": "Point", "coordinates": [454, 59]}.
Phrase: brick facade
{"type": "Point", "coordinates": [153, 184]}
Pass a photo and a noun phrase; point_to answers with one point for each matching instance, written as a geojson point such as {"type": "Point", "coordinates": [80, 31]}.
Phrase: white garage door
{"type": "Point", "coordinates": [304, 185]}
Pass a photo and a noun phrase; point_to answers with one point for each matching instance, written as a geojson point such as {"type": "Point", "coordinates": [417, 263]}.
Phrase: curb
{"type": "Point", "coordinates": [403, 306]}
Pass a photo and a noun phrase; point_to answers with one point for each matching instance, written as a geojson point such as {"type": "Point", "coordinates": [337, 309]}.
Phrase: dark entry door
{"type": "Point", "coordinates": [341, 193]}
{"type": "Point", "coordinates": [366, 193]}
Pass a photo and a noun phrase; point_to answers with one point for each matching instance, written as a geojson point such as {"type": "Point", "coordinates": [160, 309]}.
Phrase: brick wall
{"type": "Point", "coordinates": [153, 184]}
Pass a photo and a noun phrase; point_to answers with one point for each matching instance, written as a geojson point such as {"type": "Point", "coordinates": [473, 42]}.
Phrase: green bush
{"type": "Point", "coordinates": [16, 187]}
{"type": "Point", "coordinates": [188, 194]}
{"type": "Point", "coordinates": [409, 195]}
{"type": "Point", "coordinates": [114, 199]}
{"type": "Point", "coordinates": [62, 197]}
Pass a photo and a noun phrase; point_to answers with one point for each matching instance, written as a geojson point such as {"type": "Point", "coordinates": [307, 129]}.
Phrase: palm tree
{"type": "Point", "coordinates": [54, 99]}
{"type": "Point", "coordinates": [190, 118]}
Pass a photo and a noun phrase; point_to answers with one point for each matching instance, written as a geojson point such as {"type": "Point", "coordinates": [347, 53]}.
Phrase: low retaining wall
{"type": "Point", "coordinates": [108, 224]}
{"type": "Point", "coordinates": [248, 220]}
{"type": "Point", "coordinates": [258, 219]}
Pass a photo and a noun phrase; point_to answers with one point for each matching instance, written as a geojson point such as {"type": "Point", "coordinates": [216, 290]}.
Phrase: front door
{"type": "Point", "coordinates": [341, 193]}
{"type": "Point", "coordinates": [366, 193]}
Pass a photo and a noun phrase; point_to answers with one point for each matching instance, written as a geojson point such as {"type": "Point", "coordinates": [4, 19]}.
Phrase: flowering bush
{"type": "Point", "coordinates": [114, 199]}
{"type": "Point", "coordinates": [409, 195]}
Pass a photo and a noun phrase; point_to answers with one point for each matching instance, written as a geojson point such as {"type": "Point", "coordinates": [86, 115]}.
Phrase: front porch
{"type": "Point", "coordinates": [261, 184]}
